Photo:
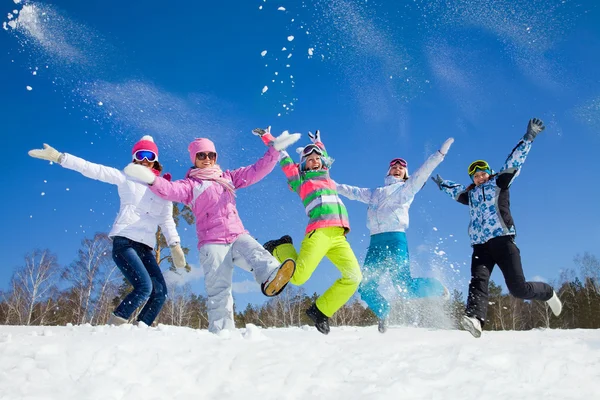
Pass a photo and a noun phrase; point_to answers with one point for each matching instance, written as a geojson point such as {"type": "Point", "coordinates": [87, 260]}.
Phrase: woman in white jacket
{"type": "Point", "coordinates": [387, 220]}
{"type": "Point", "coordinates": [134, 229]}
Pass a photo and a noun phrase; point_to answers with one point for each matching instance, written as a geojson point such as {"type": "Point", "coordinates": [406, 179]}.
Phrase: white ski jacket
{"type": "Point", "coordinates": [389, 204]}
{"type": "Point", "coordinates": [141, 211]}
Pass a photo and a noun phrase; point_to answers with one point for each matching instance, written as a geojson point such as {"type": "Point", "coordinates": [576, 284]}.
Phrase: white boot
{"type": "Point", "coordinates": [446, 294]}
{"type": "Point", "coordinates": [555, 304]}
{"type": "Point", "coordinates": [472, 325]}
{"type": "Point", "coordinates": [116, 320]}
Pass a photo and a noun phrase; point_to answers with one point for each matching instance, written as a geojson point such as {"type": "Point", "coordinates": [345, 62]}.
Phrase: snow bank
{"type": "Point", "coordinates": [127, 362]}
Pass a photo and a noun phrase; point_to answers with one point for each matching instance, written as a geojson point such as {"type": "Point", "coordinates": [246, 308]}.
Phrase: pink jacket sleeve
{"type": "Point", "coordinates": [181, 191]}
{"type": "Point", "coordinates": [251, 174]}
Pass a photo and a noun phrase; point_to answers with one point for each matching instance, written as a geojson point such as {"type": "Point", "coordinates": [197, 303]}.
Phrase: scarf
{"type": "Point", "coordinates": [212, 174]}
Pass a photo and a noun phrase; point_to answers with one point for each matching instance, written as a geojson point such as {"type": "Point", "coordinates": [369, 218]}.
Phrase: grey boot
{"type": "Point", "coordinates": [116, 320]}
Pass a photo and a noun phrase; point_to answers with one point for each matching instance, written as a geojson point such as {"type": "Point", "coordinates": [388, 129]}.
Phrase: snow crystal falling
{"type": "Point", "coordinates": [263, 53]}
{"type": "Point", "coordinates": [281, 9]}
{"type": "Point", "coordinates": [290, 38]}
{"type": "Point", "coordinates": [29, 88]}
{"type": "Point", "coordinates": [264, 89]}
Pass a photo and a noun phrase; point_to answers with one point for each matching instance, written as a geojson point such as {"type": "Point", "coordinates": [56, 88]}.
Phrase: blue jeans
{"type": "Point", "coordinates": [137, 263]}
{"type": "Point", "coordinates": [388, 253]}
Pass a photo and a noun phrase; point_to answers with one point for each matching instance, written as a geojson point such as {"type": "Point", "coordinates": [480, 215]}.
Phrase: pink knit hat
{"type": "Point", "coordinates": [146, 143]}
{"type": "Point", "coordinates": [200, 145]}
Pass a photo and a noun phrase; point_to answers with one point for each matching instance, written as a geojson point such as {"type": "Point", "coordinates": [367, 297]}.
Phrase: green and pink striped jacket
{"type": "Point", "coordinates": [318, 193]}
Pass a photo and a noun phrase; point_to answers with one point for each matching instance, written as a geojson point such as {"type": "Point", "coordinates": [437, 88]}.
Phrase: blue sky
{"type": "Point", "coordinates": [380, 79]}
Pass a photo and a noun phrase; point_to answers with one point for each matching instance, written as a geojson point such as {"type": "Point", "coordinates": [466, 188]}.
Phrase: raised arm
{"type": "Point", "coordinates": [86, 168]}
{"type": "Point", "coordinates": [512, 166]}
{"type": "Point", "coordinates": [291, 171]}
{"type": "Point", "coordinates": [355, 193]}
{"type": "Point", "coordinates": [246, 176]}
{"type": "Point", "coordinates": [418, 178]}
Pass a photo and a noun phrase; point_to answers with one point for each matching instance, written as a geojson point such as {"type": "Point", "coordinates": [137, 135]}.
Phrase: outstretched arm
{"type": "Point", "coordinates": [181, 191]}
{"type": "Point", "coordinates": [86, 168]}
{"type": "Point", "coordinates": [355, 193]}
{"type": "Point", "coordinates": [246, 176]}
{"type": "Point", "coordinates": [455, 190]}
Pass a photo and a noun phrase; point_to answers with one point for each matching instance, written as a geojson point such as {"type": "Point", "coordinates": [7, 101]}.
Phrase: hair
{"type": "Point", "coordinates": [157, 166]}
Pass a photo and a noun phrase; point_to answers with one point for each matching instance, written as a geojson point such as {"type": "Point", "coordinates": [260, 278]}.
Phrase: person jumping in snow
{"type": "Point", "coordinates": [492, 233]}
{"type": "Point", "coordinates": [222, 240]}
{"type": "Point", "coordinates": [325, 234]}
{"type": "Point", "coordinates": [387, 220]}
{"type": "Point", "coordinates": [134, 230]}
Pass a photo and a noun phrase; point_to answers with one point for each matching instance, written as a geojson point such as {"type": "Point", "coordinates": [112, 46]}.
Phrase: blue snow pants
{"type": "Point", "coordinates": [388, 253]}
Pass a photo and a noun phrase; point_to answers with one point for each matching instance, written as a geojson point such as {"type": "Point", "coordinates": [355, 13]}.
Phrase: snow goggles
{"type": "Point", "coordinates": [479, 164]}
{"type": "Point", "coordinates": [311, 148]}
{"type": "Point", "coordinates": [140, 155]}
{"type": "Point", "coordinates": [203, 156]}
{"type": "Point", "coordinates": [400, 161]}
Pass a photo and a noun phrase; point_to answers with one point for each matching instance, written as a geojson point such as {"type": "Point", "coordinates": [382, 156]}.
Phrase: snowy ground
{"type": "Point", "coordinates": [127, 362]}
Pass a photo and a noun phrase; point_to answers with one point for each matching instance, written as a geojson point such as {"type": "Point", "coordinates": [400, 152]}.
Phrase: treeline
{"type": "Point", "coordinates": [42, 292]}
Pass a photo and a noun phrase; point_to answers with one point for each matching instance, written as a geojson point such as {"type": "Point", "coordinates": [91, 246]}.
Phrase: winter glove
{"type": "Point", "coordinates": [534, 127]}
{"type": "Point", "coordinates": [285, 140]}
{"type": "Point", "coordinates": [140, 173]}
{"type": "Point", "coordinates": [47, 153]}
{"type": "Point", "coordinates": [315, 137]}
{"type": "Point", "coordinates": [446, 146]}
{"type": "Point", "coordinates": [177, 255]}
{"type": "Point", "coordinates": [260, 131]}
{"type": "Point", "coordinates": [438, 179]}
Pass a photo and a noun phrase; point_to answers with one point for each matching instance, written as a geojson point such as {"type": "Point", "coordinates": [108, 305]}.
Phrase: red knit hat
{"type": "Point", "coordinates": [146, 143]}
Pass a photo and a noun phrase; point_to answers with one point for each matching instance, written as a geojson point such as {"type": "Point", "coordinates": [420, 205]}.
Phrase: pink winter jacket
{"type": "Point", "coordinates": [217, 219]}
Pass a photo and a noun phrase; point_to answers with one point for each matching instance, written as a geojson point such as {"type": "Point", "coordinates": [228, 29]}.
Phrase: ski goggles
{"type": "Point", "coordinates": [400, 161]}
{"type": "Point", "coordinates": [203, 156]}
{"type": "Point", "coordinates": [140, 155]}
{"type": "Point", "coordinates": [479, 164]}
{"type": "Point", "coordinates": [311, 148]}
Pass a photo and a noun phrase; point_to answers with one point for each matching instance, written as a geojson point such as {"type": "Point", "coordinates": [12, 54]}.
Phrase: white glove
{"type": "Point", "coordinates": [315, 137]}
{"type": "Point", "coordinates": [446, 146]}
{"type": "Point", "coordinates": [140, 173]}
{"type": "Point", "coordinates": [285, 140]}
{"type": "Point", "coordinates": [47, 153]}
{"type": "Point", "coordinates": [178, 256]}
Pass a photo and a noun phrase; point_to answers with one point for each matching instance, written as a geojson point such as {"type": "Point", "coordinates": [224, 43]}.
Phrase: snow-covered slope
{"type": "Point", "coordinates": [127, 362]}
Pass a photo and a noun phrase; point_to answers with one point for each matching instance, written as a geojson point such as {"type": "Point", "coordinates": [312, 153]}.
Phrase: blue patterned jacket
{"type": "Point", "coordinates": [489, 203]}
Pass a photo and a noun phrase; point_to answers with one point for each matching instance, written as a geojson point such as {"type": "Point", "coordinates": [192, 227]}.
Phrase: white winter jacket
{"type": "Point", "coordinates": [141, 211]}
{"type": "Point", "coordinates": [389, 204]}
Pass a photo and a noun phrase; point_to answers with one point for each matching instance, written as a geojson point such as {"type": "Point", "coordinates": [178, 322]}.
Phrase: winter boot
{"type": "Point", "coordinates": [472, 325]}
{"type": "Point", "coordinates": [279, 278]}
{"type": "Point", "coordinates": [116, 320]}
{"type": "Point", "coordinates": [555, 304]}
{"type": "Point", "coordinates": [321, 320]}
{"type": "Point", "coordinates": [272, 244]}
{"type": "Point", "coordinates": [383, 325]}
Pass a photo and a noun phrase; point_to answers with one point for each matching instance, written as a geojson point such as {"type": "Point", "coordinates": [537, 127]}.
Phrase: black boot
{"type": "Point", "coordinates": [272, 244]}
{"type": "Point", "coordinates": [321, 320]}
